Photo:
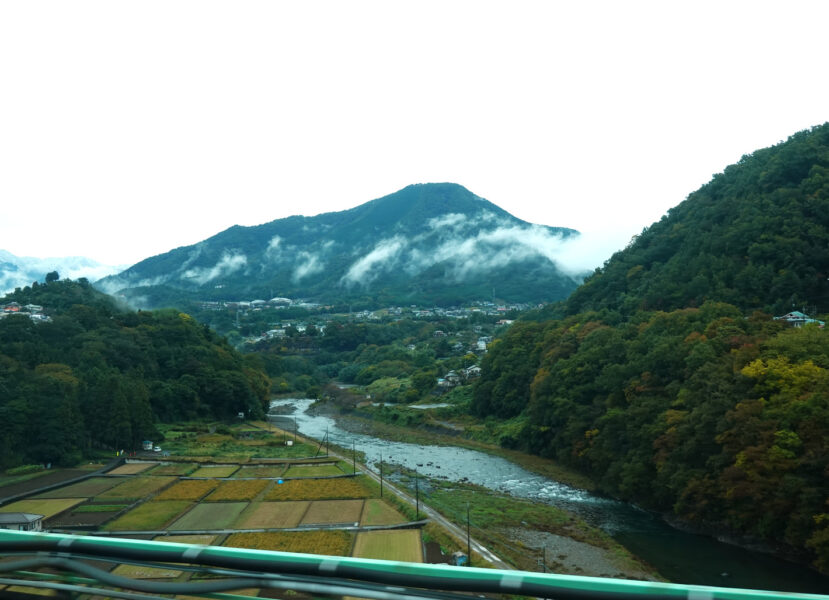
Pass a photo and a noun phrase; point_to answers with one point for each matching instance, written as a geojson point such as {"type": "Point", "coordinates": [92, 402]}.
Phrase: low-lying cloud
{"type": "Point", "coordinates": [230, 262]}
{"type": "Point", "coordinates": [382, 257]}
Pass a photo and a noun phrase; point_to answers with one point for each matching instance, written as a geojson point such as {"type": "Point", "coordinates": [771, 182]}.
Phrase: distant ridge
{"type": "Point", "coordinates": [433, 243]}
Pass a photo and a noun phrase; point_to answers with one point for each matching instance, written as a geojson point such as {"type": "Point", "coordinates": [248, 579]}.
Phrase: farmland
{"type": "Point", "coordinates": [273, 515]}
{"type": "Point", "coordinates": [389, 545]}
{"type": "Point", "coordinates": [208, 516]}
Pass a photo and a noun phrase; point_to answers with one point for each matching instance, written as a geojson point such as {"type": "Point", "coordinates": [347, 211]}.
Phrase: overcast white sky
{"type": "Point", "coordinates": [131, 128]}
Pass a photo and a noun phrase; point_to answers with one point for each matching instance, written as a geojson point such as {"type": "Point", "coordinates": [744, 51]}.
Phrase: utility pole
{"type": "Point", "coordinates": [381, 475]}
{"type": "Point", "coordinates": [468, 542]}
{"type": "Point", "coordinates": [353, 457]}
{"type": "Point", "coordinates": [326, 441]}
{"type": "Point", "coordinates": [417, 497]}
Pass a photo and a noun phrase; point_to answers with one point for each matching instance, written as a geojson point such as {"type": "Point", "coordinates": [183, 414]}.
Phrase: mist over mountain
{"type": "Point", "coordinates": [20, 271]}
{"type": "Point", "coordinates": [435, 243]}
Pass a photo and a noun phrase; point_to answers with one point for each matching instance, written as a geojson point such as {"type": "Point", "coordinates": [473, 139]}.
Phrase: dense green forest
{"type": "Point", "coordinates": [98, 377]}
{"type": "Point", "coordinates": [665, 377]}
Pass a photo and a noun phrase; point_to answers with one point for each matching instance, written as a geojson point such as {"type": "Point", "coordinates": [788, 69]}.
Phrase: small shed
{"type": "Point", "coordinates": [147, 445]}
{"type": "Point", "coordinates": [20, 521]}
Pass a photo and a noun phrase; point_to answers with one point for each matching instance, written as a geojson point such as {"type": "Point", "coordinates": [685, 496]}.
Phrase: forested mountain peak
{"type": "Point", "coordinates": [665, 377]}
{"type": "Point", "coordinates": [756, 236]}
{"type": "Point", "coordinates": [432, 243]}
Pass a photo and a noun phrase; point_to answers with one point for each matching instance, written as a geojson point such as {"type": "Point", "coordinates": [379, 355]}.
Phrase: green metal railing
{"type": "Point", "coordinates": [244, 568]}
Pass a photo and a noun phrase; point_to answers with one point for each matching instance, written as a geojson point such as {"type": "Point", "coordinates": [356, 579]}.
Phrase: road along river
{"type": "Point", "coordinates": [679, 556]}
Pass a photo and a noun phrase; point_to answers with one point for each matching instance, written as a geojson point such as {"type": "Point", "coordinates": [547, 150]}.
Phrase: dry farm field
{"type": "Point", "coordinates": [175, 469]}
{"type": "Point", "coordinates": [190, 489]}
{"type": "Point", "coordinates": [265, 471]}
{"type": "Point", "coordinates": [215, 515]}
{"type": "Point", "coordinates": [223, 471]}
{"type": "Point", "coordinates": [150, 516]}
{"type": "Point", "coordinates": [48, 507]}
{"type": "Point", "coordinates": [273, 515]}
{"type": "Point", "coordinates": [327, 512]}
{"type": "Point", "coordinates": [403, 545]}
{"type": "Point", "coordinates": [88, 487]}
{"type": "Point", "coordinates": [313, 471]}
{"type": "Point", "coordinates": [132, 468]}
{"type": "Point", "coordinates": [378, 512]}
{"type": "Point", "coordinates": [134, 488]}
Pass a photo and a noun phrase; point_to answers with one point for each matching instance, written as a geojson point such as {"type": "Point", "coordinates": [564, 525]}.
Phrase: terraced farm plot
{"type": "Point", "coordinates": [190, 489]}
{"type": "Point", "coordinates": [175, 469]}
{"type": "Point", "coordinates": [48, 507]}
{"type": "Point", "coordinates": [149, 516]}
{"type": "Point", "coordinates": [215, 471]}
{"type": "Point", "coordinates": [326, 512]}
{"type": "Point", "coordinates": [272, 515]}
{"type": "Point", "coordinates": [88, 487]}
{"type": "Point", "coordinates": [201, 539]}
{"type": "Point", "coordinates": [266, 471]}
{"type": "Point", "coordinates": [215, 515]}
{"type": "Point", "coordinates": [12, 486]}
{"type": "Point", "coordinates": [243, 489]}
{"type": "Point", "coordinates": [313, 471]}
{"type": "Point", "coordinates": [331, 543]}
{"type": "Point", "coordinates": [132, 468]}
{"type": "Point", "coordinates": [341, 488]}
{"type": "Point", "coordinates": [377, 512]}
{"type": "Point", "coordinates": [134, 488]}
{"type": "Point", "coordinates": [403, 545]}
{"type": "Point", "coordinates": [87, 515]}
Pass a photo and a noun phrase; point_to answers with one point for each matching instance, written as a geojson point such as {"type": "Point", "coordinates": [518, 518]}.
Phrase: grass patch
{"type": "Point", "coordinates": [404, 545]}
{"type": "Point", "coordinates": [272, 515]}
{"type": "Point", "coordinates": [378, 512]}
{"type": "Point", "coordinates": [48, 507]}
{"type": "Point", "coordinates": [243, 489]}
{"type": "Point", "coordinates": [150, 515]}
{"type": "Point", "coordinates": [135, 488]}
{"type": "Point", "coordinates": [88, 488]}
{"type": "Point", "coordinates": [183, 468]}
{"type": "Point", "coordinates": [202, 539]}
{"type": "Point", "coordinates": [191, 489]}
{"type": "Point", "coordinates": [330, 543]}
{"type": "Point", "coordinates": [265, 471]}
{"type": "Point", "coordinates": [96, 508]}
{"type": "Point", "coordinates": [313, 471]}
{"type": "Point", "coordinates": [320, 489]}
{"type": "Point", "coordinates": [145, 572]}
{"type": "Point", "coordinates": [131, 468]}
{"type": "Point", "coordinates": [209, 516]}
{"type": "Point", "coordinates": [333, 511]}
{"type": "Point", "coordinates": [215, 471]}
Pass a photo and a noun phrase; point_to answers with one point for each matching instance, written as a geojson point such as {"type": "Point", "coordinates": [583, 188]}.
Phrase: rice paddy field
{"type": "Point", "coordinates": [242, 489]}
{"type": "Point", "coordinates": [320, 489]}
{"type": "Point", "coordinates": [194, 493]}
{"type": "Point", "coordinates": [331, 543]}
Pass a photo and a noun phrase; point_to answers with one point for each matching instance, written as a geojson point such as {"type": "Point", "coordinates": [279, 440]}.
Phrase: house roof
{"type": "Point", "coordinates": [18, 517]}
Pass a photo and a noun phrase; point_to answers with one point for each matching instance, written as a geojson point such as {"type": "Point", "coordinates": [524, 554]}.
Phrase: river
{"type": "Point", "coordinates": [679, 556]}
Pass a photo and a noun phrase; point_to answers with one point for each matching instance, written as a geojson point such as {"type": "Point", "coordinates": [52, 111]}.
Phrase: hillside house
{"type": "Point", "coordinates": [799, 319]}
{"type": "Point", "coordinates": [20, 521]}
